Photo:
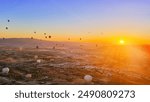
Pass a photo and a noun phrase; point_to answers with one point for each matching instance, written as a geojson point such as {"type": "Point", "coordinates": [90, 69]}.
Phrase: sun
{"type": "Point", "coordinates": [122, 42]}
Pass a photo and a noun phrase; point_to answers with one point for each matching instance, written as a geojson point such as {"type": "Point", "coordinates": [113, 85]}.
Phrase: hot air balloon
{"type": "Point", "coordinates": [36, 56]}
{"type": "Point", "coordinates": [5, 70]}
{"type": "Point", "coordinates": [37, 47]}
{"type": "Point", "coordinates": [88, 78]}
{"type": "Point", "coordinates": [6, 28]}
{"type": "Point", "coordinates": [96, 45]}
{"type": "Point", "coordinates": [8, 20]}
{"type": "Point", "coordinates": [49, 36]}
{"type": "Point", "coordinates": [28, 75]}
{"type": "Point", "coordinates": [54, 47]}
{"type": "Point", "coordinates": [38, 61]}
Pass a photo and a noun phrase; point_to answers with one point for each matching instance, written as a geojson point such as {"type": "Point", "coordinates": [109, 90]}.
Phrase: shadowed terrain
{"type": "Point", "coordinates": [68, 62]}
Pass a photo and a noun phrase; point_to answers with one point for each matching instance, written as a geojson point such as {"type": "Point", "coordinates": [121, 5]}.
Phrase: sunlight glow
{"type": "Point", "coordinates": [121, 42]}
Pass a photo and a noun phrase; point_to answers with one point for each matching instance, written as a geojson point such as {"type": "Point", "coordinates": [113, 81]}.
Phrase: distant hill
{"type": "Point", "coordinates": [24, 42]}
{"type": "Point", "coordinates": [32, 43]}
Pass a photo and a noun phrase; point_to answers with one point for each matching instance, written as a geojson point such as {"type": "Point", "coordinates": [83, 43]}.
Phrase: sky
{"type": "Point", "coordinates": [63, 19]}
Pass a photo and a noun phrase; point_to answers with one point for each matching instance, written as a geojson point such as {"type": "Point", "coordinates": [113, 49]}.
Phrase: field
{"type": "Point", "coordinates": [36, 62]}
